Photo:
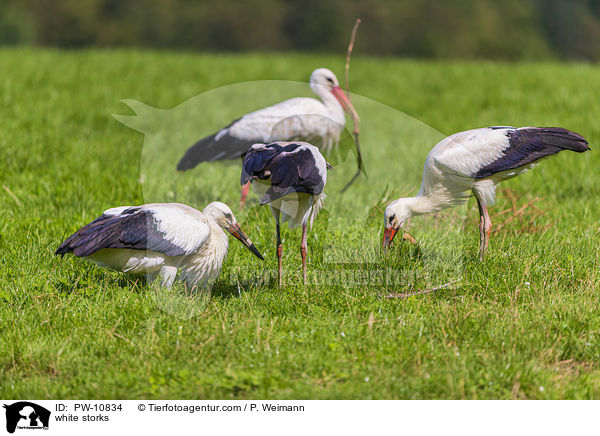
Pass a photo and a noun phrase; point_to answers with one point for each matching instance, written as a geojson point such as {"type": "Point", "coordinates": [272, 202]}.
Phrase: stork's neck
{"type": "Point", "coordinates": [422, 205]}
{"type": "Point", "coordinates": [333, 106]}
{"type": "Point", "coordinates": [203, 267]}
{"type": "Point", "coordinates": [219, 240]}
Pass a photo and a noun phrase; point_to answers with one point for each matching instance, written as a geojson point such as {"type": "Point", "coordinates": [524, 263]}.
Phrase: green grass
{"type": "Point", "coordinates": [524, 324]}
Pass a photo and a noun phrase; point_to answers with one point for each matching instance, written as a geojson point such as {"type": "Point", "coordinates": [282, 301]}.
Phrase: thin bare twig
{"type": "Point", "coordinates": [526, 214]}
{"type": "Point", "coordinates": [349, 54]}
{"type": "Point", "coordinates": [14, 197]}
{"type": "Point", "coordinates": [421, 291]}
{"type": "Point", "coordinates": [355, 118]}
{"type": "Point", "coordinates": [123, 338]}
{"type": "Point", "coordinates": [409, 238]}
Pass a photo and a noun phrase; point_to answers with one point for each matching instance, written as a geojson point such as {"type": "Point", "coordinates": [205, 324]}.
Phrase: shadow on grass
{"type": "Point", "coordinates": [94, 277]}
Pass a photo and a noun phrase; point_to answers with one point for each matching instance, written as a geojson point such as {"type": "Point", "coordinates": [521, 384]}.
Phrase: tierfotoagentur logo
{"type": "Point", "coordinates": [26, 415]}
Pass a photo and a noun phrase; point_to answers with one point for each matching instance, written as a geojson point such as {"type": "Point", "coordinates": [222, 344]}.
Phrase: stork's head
{"type": "Point", "coordinates": [223, 216]}
{"type": "Point", "coordinates": [323, 80]}
{"type": "Point", "coordinates": [324, 77]}
{"type": "Point", "coordinates": [395, 215]}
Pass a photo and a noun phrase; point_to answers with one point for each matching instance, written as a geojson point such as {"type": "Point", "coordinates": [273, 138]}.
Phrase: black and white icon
{"type": "Point", "coordinates": [26, 415]}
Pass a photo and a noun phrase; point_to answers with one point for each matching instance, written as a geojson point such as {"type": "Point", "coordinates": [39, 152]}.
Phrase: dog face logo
{"type": "Point", "coordinates": [26, 415]}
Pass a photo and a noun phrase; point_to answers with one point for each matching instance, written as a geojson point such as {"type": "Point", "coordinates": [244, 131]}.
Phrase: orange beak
{"type": "Point", "coordinates": [237, 232]}
{"type": "Point", "coordinates": [345, 102]}
{"type": "Point", "coordinates": [388, 237]}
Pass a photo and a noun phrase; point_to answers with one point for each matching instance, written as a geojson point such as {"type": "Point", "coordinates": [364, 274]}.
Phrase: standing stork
{"type": "Point", "coordinates": [301, 118]}
{"type": "Point", "coordinates": [158, 239]}
{"type": "Point", "coordinates": [477, 160]}
{"type": "Point", "coordinates": [290, 177]}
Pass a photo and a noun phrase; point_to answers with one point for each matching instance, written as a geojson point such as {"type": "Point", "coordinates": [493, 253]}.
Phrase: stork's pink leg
{"type": "Point", "coordinates": [485, 227]}
{"type": "Point", "coordinates": [303, 252]}
{"type": "Point", "coordinates": [279, 252]}
{"type": "Point", "coordinates": [481, 236]}
{"type": "Point", "coordinates": [245, 190]}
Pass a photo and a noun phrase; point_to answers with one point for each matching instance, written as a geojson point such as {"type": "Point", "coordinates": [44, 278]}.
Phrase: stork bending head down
{"type": "Point", "coordinates": [477, 161]}
{"type": "Point", "coordinates": [159, 239]}
{"type": "Point", "coordinates": [290, 177]}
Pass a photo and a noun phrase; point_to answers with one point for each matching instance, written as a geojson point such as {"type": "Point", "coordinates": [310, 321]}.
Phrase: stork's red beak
{"type": "Point", "coordinates": [239, 234]}
{"type": "Point", "coordinates": [344, 101]}
{"type": "Point", "coordinates": [388, 237]}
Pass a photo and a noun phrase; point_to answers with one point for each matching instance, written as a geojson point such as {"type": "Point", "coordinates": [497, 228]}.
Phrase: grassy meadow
{"type": "Point", "coordinates": [523, 324]}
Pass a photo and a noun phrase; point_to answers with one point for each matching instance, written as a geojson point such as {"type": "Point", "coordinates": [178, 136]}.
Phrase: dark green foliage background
{"type": "Point", "coordinates": [496, 29]}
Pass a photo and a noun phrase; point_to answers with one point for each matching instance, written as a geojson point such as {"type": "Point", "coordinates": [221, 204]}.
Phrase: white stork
{"type": "Point", "coordinates": [158, 239]}
{"type": "Point", "coordinates": [290, 177]}
{"type": "Point", "coordinates": [295, 119]}
{"type": "Point", "coordinates": [477, 160]}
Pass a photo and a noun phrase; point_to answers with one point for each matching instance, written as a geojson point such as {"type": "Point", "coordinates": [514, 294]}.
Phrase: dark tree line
{"type": "Point", "coordinates": [497, 29]}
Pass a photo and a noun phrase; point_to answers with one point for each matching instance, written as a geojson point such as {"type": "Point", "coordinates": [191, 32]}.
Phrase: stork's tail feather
{"type": "Point", "coordinates": [78, 242]}
{"type": "Point", "coordinates": [91, 237]}
{"type": "Point", "coordinates": [220, 146]}
{"type": "Point", "coordinates": [558, 137]}
{"type": "Point", "coordinates": [64, 248]}
{"type": "Point", "coordinates": [201, 151]}
{"type": "Point", "coordinates": [530, 144]}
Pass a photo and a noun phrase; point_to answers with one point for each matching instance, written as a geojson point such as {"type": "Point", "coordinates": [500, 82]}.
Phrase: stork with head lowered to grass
{"type": "Point", "coordinates": [477, 161]}
{"type": "Point", "coordinates": [290, 177]}
{"type": "Point", "coordinates": [159, 239]}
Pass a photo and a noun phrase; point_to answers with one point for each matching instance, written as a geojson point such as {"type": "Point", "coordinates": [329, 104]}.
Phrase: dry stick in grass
{"type": "Point", "coordinates": [517, 213]}
{"type": "Point", "coordinates": [421, 291]}
{"type": "Point", "coordinates": [355, 118]}
{"type": "Point", "coordinates": [13, 196]}
{"type": "Point", "coordinates": [349, 54]}
{"type": "Point", "coordinates": [409, 238]}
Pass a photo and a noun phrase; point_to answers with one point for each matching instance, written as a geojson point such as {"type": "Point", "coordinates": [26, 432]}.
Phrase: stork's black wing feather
{"type": "Point", "coordinates": [134, 228]}
{"type": "Point", "coordinates": [211, 149]}
{"type": "Point", "coordinates": [293, 170]}
{"type": "Point", "coordinates": [289, 168]}
{"type": "Point", "coordinates": [527, 145]}
{"type": "Point", "coordinates": [256, 161]}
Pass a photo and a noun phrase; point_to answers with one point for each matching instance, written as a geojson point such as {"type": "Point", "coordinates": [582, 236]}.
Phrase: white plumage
{"type": "Point", "coordinates": [296, 209]}
{"type": "Point", "coordinates": [159, 239]}
{"type": "Point", "coordinates": [298, 119]}
{"type": "Point", "coordinates": [477, 160]}
{"type": "Point", "coordinates": [301, 117]}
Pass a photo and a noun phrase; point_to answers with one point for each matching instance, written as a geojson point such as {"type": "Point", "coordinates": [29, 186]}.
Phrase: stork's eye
{"type": "Point", "coordinates": [228, 216]}
{"type": "Point", "coordinates": [391, 219]}
{"type": "Point", "coordinates": [330, 80]}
